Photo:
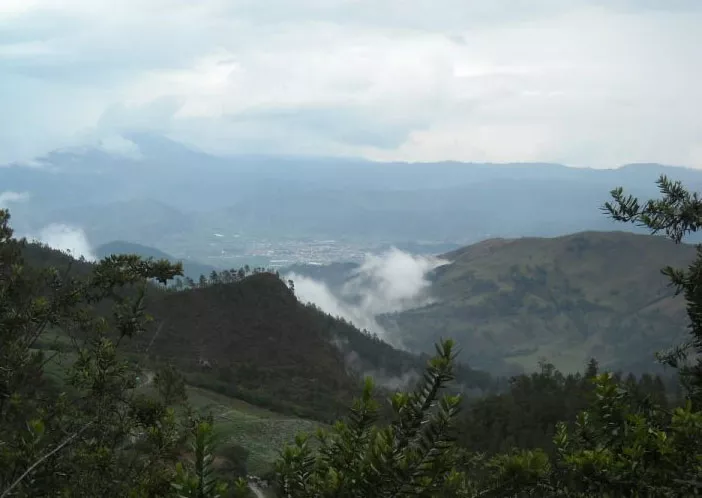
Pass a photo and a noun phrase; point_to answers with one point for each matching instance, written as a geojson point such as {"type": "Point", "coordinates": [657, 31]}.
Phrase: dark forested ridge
{"type": "Point", "coordinates": [258, 342]}
{"type": "Point", "coordinates": [254, 336]}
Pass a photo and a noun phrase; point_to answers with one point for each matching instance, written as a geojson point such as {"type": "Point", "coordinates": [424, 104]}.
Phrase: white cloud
{"type": "Point", "coordinates": [69, 239]}
{"type": "Point", "coordinates": [385, 283]}
{"type": "Point", "coordinates": [391, 282]}
{"type": "Point", "coordinates": [117, 145]}
{"type": "Point", "coordinates": [312, 291]}
{"type": "Point", "coordinates": [8, 197]}
{"type": "Point", "coordinates": [584, 82]}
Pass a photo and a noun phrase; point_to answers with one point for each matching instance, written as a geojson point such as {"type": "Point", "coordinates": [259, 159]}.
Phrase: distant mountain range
{"type": "Point", "coordinates": [177, 199]}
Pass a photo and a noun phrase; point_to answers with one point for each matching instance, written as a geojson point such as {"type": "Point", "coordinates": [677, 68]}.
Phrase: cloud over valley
{"type": "Point", "coordinates": [389, 282]}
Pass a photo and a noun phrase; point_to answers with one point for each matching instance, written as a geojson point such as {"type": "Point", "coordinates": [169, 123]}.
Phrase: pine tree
{"type": "Point", "coordinates": [677, 214]}
{"type": "Point", "coordinates": [214, 278]}
{"type": "Point", "coordinates": [591, 369]}
{"type": "Point", "coordinates": [413, 456]}
{"type": "Point", "coordinates": [198, 480]}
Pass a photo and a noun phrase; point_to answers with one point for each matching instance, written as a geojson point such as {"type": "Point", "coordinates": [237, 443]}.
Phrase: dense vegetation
{"type": "Point", "coordinates": [101, 430]}
{"type": "Point", "coordinates": [527, 414]}
{"type": "Point", "coordinates": [95, 437]}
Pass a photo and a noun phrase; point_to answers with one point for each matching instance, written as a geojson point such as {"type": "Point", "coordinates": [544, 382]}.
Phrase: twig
{"type": "Point", "coordinates": [39, 462]}
{"type": "Point", "coordinates": [153, 338]}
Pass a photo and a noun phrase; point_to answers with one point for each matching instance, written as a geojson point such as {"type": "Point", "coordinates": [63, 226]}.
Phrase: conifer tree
{"type": "Point", "coordinates": [410, 457]}
{"type": "Point", "coordinates": [677, 214]}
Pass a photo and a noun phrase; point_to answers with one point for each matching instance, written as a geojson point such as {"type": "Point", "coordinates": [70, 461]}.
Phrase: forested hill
{"type": "Point", "coordinates": [254, 340]}
{"type": "Point", "coordinates": [250, 338]}
{"type": "Point", "coordinates": [510, 303]}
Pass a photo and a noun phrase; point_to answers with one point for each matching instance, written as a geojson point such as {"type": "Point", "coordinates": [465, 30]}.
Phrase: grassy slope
{"type": "Point", "coordinates": [262, 432]}
{"type": "Point", "coordinates": [565, 299]}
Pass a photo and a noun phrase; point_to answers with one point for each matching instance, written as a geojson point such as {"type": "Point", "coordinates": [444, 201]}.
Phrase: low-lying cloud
{"type": "Point", "coordinates": [119, 146]}
{"type": "Point", "coordinates": [355, 365]}
{"type": "Point", "coordinates": [68, 239]}
{"type": "Point", "coordinates": [65, 238]}
{"type": "Point", "coordinates": [390, 282]}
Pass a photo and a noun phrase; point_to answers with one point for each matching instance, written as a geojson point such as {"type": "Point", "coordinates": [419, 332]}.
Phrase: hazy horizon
{"type": "Point", "coordinates": [133, 141]}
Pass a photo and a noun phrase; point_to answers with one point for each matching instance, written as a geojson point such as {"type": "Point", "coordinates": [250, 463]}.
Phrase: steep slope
{"type": "Point", "coordinates": [511, 302]}
{"type": "Point", "coordinates": [252, 334]}
{"type": "Point", "coordinates": [253, 339]}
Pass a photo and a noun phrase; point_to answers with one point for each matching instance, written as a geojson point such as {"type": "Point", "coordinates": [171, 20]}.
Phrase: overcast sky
{"type": "Point", "coordinates": [597, 83]}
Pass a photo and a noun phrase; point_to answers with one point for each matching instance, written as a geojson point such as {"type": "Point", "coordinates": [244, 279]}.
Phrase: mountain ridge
{"type": "Point", "coordinates": [563, 298]}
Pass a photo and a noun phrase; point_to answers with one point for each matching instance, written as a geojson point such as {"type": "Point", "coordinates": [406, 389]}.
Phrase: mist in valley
{"type": "Point", "coordinates": [388, 282]}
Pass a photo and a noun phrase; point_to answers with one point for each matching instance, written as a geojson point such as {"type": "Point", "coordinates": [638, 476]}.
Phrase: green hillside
{"type": "Point", "coordinates": [511, 302]}
{"type": "Point", "coordinates": [258, 434]}
{"type": "Point", "coordinates": [253, 339]}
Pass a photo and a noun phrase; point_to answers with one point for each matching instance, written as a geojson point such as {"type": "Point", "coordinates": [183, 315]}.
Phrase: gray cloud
{"type": "Point", "coordinates": [583, 82]}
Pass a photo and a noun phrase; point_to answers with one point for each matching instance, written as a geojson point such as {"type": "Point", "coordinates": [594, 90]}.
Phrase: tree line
{"type": "Point", "coordinates": [215, 277]}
